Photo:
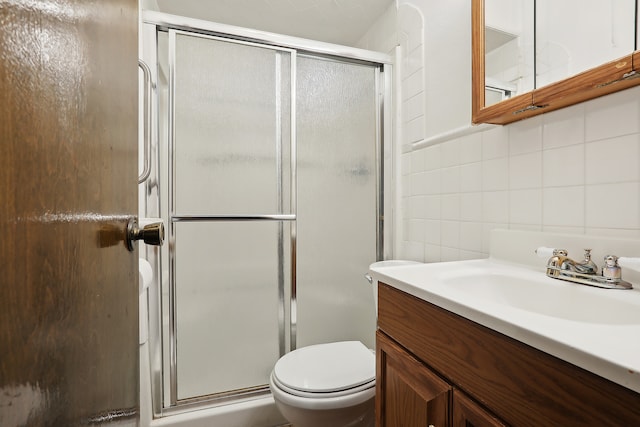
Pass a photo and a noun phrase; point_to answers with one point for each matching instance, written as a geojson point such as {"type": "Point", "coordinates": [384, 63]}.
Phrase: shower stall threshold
{"type": "Point", "coordinates": [258, 411]}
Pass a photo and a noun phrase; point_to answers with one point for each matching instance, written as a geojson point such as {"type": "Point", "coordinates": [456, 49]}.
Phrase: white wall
{"type": "Point", "coordinates": [435, 76]}
{"type": "Point", "coordinates": [574, 170]}
{"type": "Point", "coordinates": [382, 36]}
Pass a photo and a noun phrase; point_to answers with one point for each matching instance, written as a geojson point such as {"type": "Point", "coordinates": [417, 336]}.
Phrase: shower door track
{"type": "Point", "coordinates": [165, 21]}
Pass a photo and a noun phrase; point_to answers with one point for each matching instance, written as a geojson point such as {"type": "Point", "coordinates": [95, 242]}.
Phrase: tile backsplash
{"type": "Point", "coordinates": [575, 171]}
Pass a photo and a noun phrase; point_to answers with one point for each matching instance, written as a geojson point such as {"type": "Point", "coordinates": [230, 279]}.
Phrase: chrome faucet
{"type": "Point", "coordinates": [585, 272]}
{"type": "Point", "coordinates": [561, 260]}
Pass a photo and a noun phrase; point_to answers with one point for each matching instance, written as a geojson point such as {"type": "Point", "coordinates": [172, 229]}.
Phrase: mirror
{"type": "Point", "coordinates": [509, 49]}
{"type": "Point", "coordinates": [535, 56]}
{"type": "Point", "coordinates": [572, 38]}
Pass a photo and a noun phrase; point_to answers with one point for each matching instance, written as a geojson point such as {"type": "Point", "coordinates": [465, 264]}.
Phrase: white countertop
{"type": "Point", "coordinates": [595, 329]}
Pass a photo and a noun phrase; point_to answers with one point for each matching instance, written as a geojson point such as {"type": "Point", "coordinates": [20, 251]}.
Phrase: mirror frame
{"type": "Point", "coordinates": [607, 78]}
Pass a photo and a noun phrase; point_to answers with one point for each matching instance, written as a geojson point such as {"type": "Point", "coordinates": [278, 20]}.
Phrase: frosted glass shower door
{"type": "Point", "coordinates": [230, 213]}
{"type": "Point", "coordinates": [338, 145]}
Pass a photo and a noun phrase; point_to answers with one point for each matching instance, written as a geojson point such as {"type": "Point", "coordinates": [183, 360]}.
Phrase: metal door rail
{"type": "Point", "coordinates": [208, 218]}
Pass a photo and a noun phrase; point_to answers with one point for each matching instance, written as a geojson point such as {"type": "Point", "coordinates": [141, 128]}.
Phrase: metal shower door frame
{"type": "Point", "coordinates": [161, 22]}
{"type": "Point", "coordinates": [281, 218]}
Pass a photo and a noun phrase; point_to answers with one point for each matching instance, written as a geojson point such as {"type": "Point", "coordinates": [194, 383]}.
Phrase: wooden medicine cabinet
{"type": "Point", "coordinates": [527, 89]}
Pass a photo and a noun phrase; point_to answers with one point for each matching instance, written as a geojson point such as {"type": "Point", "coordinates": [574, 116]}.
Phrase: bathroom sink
{"type": "Point", "coordinates": [593, 328]}
{"type": "Point", "coordinates": [545, 296]}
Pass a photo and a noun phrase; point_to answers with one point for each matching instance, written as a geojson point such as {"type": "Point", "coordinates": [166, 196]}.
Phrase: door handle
{"type": "Point", "coordinates": [151, 234]}
{"type": "Point", "coordinates": [148, 85]}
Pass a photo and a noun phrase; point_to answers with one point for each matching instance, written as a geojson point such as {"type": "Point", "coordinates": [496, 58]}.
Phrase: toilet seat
{"type": "Point", "coordinates": [326, 370]}
{"type": "Point", "coordinates": [315, 394]}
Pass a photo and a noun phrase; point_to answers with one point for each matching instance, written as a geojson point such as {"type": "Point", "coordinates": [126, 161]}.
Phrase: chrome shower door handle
{"type": "Point", "coordinates": [151, 234]}
{"type": "Point", "coordinates": [147, 121]}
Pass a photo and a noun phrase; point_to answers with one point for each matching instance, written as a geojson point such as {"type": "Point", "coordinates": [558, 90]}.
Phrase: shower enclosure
{"type": "Point", "coordinates": [268, 173]}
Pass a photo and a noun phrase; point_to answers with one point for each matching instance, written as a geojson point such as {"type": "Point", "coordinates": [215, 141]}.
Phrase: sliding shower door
{"type": "Point", "coordinates": [269, 181]}
{"type": "Point", "coordinates": [337, 115]}
{"type": "Point", "coordinates": [230, 212]}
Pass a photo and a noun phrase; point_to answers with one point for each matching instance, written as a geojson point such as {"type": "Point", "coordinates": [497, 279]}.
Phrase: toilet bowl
{"type": "Point", "coordinates": [326, 385]}
{"type": "Point", "coordinates": [329, 384]}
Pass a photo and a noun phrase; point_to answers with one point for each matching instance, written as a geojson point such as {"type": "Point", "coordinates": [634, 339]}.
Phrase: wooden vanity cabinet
{"type": "Point", "coordinates": [466, 413]}
{"type": "Point", "coordinates": [410, 394]}
{"type": "Point", "coordinates": [435, 368]}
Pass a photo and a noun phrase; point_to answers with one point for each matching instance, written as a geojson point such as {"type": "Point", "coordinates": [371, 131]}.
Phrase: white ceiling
{"type": "Point", "coordinates": [333, 21]}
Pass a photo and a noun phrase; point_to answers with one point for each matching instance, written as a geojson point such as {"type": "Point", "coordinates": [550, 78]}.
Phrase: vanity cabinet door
{"type": "Point", "coordinates": [466, 413]}
{"type": "Point", "coordinates": [408, 394]}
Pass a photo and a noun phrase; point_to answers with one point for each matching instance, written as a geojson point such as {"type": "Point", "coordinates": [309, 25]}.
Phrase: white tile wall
{"type": "Point", "coordinates": [495, 174]}
{"type": "Point", "coordinates": [603, 168]}
{"type": "Point", "coordinates": [555, 172]}
{"type": "Point", "coordinates": [575, 170]}
{"type": "Point", "coordinates": [412, 74]}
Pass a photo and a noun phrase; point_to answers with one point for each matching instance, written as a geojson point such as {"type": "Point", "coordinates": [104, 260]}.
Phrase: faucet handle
{"type": "Point", "coordinates": [544, 252]}
{"type": "Point", "coordinates": [611, 269]}
{"type": "Point", "coordinates": [631, 263]}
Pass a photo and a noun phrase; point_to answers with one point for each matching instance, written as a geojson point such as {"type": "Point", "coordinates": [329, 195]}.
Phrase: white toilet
{"type": "Point", "coordinates": [328, 384]}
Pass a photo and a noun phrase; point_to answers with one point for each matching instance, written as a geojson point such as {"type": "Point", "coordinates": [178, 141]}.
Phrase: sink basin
{"type": "Point", "coordinates": [546, 296]}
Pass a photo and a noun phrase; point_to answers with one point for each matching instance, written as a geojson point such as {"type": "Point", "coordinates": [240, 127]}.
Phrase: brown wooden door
{"type": "Point", "coordinates": [467, 413]}
{"type": "Point", "coordinates": [68, 184]}
{"type": "Point", "coordinates": [408, 394]}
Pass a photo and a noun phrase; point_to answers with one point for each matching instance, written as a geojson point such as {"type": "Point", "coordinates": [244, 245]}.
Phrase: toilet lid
{"type": "Point", "coordinates": [326, 367]}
